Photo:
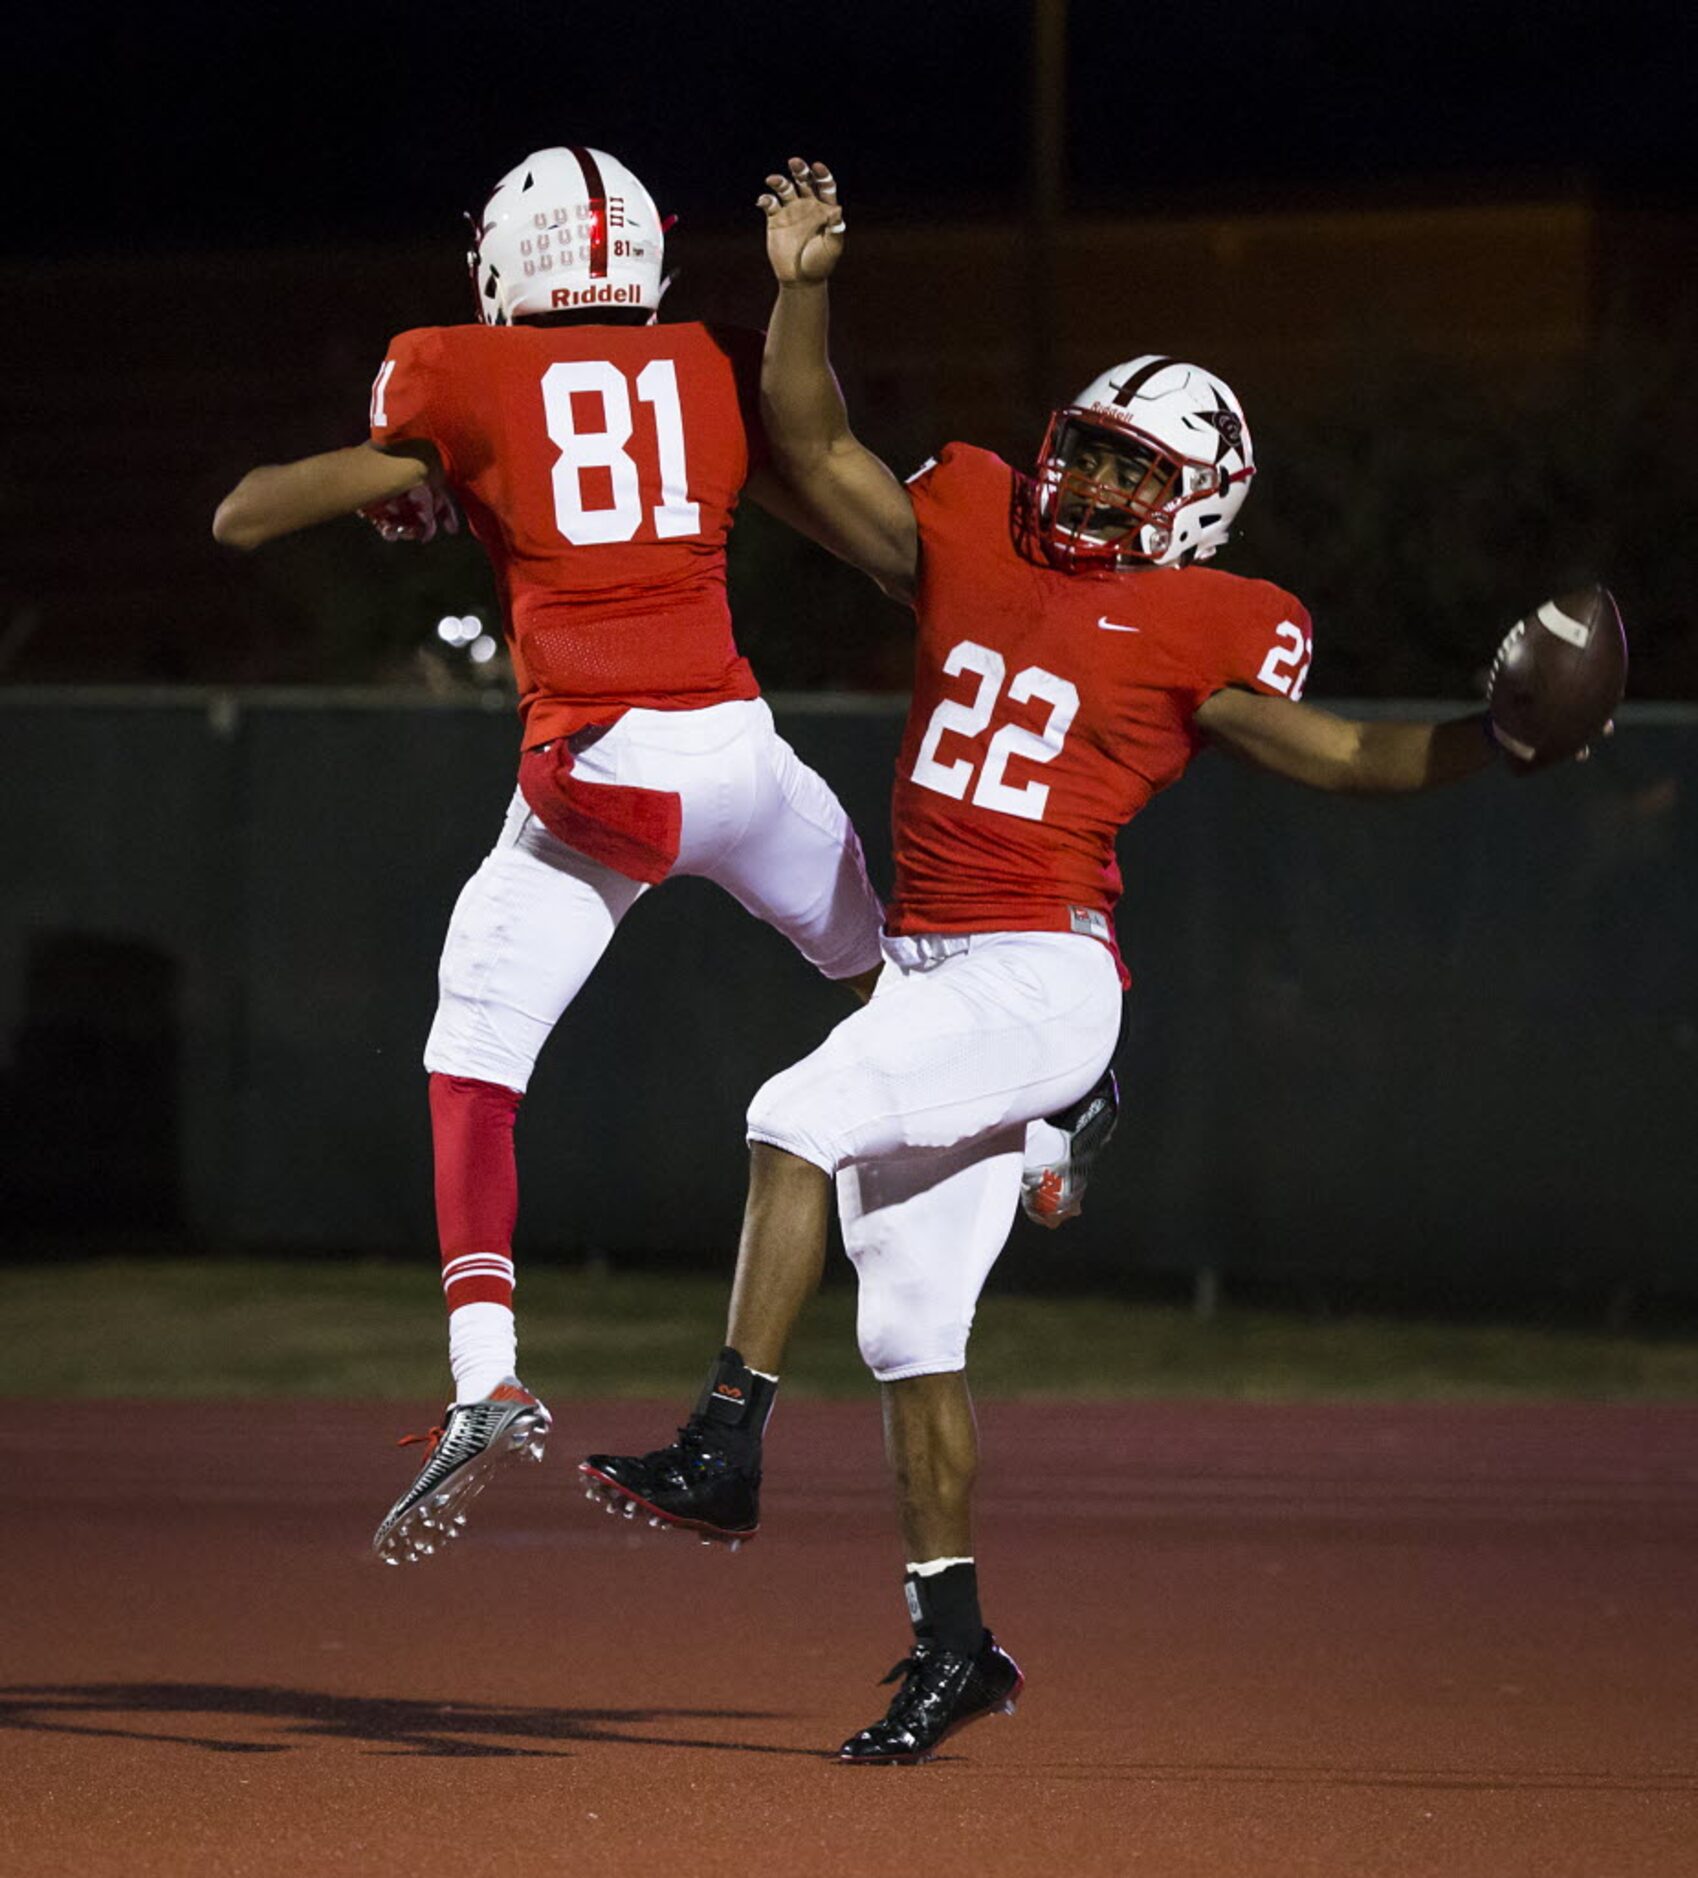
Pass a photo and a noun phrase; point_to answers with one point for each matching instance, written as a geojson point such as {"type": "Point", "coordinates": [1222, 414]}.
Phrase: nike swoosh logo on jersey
{"type": "Point", "coordinates": [1114, 626]}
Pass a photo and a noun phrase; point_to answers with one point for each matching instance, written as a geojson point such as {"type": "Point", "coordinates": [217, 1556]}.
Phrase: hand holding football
{"type": "Point", "coordinates": [1558, 677]}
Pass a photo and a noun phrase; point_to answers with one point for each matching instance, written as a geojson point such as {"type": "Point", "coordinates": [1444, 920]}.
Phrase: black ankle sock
{"type": "Point", "coordinates": [734, 1405]}
{"type": "Point", "coordinates": [943, 1607]}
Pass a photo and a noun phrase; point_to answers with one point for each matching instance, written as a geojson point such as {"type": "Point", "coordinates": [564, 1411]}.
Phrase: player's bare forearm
{"type": "Point", "coordinates": [1345, 755]}
{"type": "Point", "coordinates": [279, 498]}
{"type": "Point", "coordinates": [854, 504]}
{"type": "Point", "coordinates": [801, 399]}
{"type": "Point", "coordinates": [856, 507]}
{"type": "Point", "coordinates": [1395, 758]}
{"type": "Point", "coordinates": [1404, 757]}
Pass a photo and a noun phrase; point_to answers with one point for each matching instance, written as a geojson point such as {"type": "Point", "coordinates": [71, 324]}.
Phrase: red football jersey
{"type": "Point", "coordinates": [1050, 707]}
{"type": "Point", "coordinates": [600, 467]}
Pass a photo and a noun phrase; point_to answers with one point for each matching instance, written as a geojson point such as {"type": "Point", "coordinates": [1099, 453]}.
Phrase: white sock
{"type": "Point", "coordinates": [933, 1566]}
{"type": "Point", "coordinates": [483, 1349]}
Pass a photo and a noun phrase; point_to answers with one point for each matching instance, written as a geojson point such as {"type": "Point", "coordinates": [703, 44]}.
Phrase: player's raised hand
{"type": "Point", "coordinates": [804, 222]}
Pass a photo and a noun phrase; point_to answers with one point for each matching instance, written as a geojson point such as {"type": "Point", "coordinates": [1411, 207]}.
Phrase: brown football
{"type": "Point", "coordinates": [1558, 677]}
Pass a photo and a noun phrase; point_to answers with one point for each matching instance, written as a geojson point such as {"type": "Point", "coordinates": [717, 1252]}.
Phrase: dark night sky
{"type": "Point", "coordinates": [225, 126]}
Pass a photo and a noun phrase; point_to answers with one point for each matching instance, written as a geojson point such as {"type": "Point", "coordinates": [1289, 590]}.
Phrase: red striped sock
{"type": "Point", "coordinates": [477, 1187]}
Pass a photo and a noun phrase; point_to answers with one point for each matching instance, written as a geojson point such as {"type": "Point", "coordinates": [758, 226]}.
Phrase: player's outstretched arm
{"type": "Point", "coordinates": [278, 498]}
{"type": "Point", "coordinates": [1556, 681]}
{"type": "Point", "coordinates": [1349, 755]}
{"type": "Point", "coordinates": [855, 506]}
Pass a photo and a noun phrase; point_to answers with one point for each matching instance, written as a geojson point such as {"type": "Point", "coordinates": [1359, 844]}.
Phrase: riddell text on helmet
{"type": "Point", "coordinates": [609, 293]}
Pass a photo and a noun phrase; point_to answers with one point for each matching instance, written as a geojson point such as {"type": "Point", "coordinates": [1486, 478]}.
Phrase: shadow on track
{"type": "Point", "coordinates": [448, 1729]}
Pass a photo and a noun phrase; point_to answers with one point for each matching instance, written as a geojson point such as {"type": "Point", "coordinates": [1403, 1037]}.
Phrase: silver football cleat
{"type": "Point", "coordinates": [461, 1456]}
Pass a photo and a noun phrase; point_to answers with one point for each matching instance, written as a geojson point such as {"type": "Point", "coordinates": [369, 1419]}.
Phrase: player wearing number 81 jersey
{"type": "Point", "coordinates": [600, 467]}
{"type": "Point", "coordinates": [599, 457]}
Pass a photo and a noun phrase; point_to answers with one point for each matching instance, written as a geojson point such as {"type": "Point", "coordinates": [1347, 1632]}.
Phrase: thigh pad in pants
{"type": "Point", "coordinates": [924, 1231]}
{"type": "Point", "coordinates": [1015, 1026]}
{"type": "Point", "coordinates": [528, 929]}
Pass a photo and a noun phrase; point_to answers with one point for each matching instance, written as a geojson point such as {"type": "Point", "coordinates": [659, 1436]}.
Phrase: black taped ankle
{"type": "Point", "coordinates": [735, 1404]}
{"type": "Point", "coordinates": [943, 1607]}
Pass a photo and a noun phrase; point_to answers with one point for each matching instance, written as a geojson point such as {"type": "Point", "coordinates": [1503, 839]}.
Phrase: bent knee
{"type": "Point", "coordinates": [789, 1112]}
{"type": "Point", "coordinates": [470, 1040]}
{"type": "Point", "coordinates": [898, 1343]}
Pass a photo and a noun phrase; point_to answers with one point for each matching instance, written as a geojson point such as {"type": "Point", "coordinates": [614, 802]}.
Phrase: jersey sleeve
{"type": "Point", "coordinates": [1259, 638]}
{"type": "Point", "coordinates": [1275, 646]}
{"type": "Point", "coordinates": [927, 489]}
{"type": "Point", "coordinates": [960, 501]}
{"type": "Point", "coordinates": [954, 491]}
{"type": "Point", "coordinates": [743, 348]}
{"type": "Point", "coordinates": [413, 396]}
{"type": "Point", "coordinates": [932, 482]}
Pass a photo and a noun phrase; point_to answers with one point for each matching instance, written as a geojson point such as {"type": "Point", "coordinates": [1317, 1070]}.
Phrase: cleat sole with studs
{"type": "Point", "coordinates": [615, 1499]}
{"type": "Point", "coordinates": [441, 1514]}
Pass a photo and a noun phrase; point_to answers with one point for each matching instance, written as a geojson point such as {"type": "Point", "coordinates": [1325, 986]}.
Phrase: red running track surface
{"type": "Point", "coordinates": [1367, 1641]}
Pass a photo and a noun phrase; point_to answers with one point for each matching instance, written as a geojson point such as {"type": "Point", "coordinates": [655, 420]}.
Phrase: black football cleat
{"type": "Point", "coordinates": [693, 1483]}
{"type": "Point", "coordinates": [709, 1479]}
{"type": "Point", "coordinates": [942, 1690]}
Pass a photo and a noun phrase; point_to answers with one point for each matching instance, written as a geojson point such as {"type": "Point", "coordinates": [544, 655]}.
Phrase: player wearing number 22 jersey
{"type": "Point", "coordinates": [1075, 651]}
{"type": "Point", "coordinates": [1050, 704]}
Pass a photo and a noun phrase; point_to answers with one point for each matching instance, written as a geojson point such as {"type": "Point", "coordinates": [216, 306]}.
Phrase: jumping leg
{"type": "Point", "coordinates": [527, 931]}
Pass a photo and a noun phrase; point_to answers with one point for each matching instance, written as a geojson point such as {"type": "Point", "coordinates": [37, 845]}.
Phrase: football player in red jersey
{"type": "Point", "coordinates": [599, 457]}
{"type": "Point", "coordinates": [1074, 653]}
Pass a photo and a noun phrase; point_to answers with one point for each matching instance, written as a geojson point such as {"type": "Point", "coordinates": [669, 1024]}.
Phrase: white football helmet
{"type": "Point", "coordinates": [1147, 466]}
{"type": "Point", "coordinates": [568, 229]}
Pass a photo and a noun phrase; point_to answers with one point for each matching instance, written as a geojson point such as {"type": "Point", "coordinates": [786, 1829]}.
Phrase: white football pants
{"type": "Point", "coordinates": [532, 922]}
{"type": "Point", "coordinates": [918, 1104]}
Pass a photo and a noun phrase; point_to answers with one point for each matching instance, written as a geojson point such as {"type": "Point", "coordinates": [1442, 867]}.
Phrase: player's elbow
{"type": "Point", "coordinates": [229, 531]}
{"type": "Point", "coordinates": [234, 524]}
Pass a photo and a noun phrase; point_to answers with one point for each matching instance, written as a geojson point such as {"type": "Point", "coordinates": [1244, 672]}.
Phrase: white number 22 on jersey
{"type": "Point", "coordinates": [1029, 800]}
{"type": "Point", "coordinates": [604, 448]}
{"type": "Point", "coordinates": [1287, 665]}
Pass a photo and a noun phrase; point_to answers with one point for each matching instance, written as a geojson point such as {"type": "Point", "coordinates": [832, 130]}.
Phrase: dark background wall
{"type": "Point", "coordinates": [1452, 1039]}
